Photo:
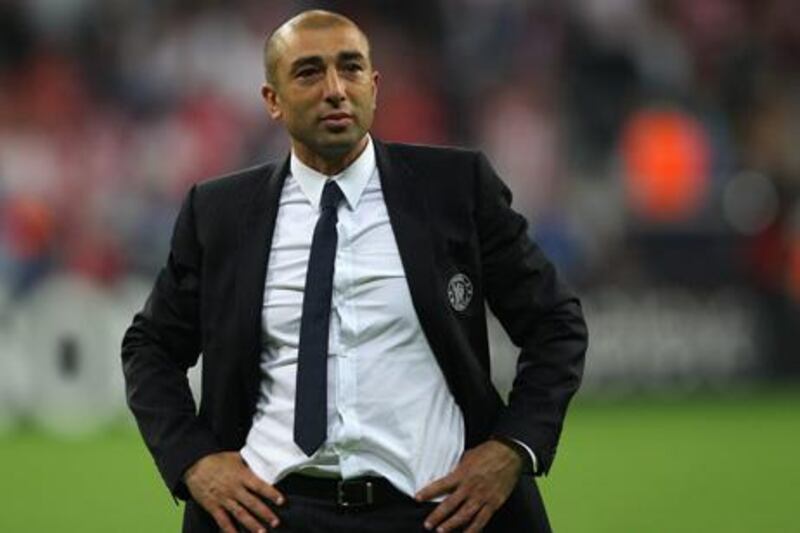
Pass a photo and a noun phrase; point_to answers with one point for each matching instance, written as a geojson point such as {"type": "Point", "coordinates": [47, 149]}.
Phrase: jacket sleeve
{"type": "Point", "coordinates": [540, 314]}
{"type": "Point", "coordinates": [157, 350]}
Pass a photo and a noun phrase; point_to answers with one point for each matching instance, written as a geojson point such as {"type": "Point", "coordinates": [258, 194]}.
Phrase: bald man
{"type": "Point", "coordinates": [338, 298]}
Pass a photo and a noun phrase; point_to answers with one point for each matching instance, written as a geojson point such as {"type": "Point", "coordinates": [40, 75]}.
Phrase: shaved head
{"type": "Point", "coordinates": [321, 87]}
{"type": "Point", "coordinates": [315, 19]}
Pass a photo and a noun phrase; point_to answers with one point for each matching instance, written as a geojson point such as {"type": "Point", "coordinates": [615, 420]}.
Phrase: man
{"type": "Point", "coordinates": [338, 301]}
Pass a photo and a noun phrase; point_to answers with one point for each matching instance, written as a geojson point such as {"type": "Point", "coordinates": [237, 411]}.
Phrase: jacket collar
{"type": "Point", "coordinates": [254, 242]}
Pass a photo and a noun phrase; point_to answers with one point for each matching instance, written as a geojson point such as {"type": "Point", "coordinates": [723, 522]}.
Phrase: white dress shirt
{"type": "Point", "coordinates": [390, 412]}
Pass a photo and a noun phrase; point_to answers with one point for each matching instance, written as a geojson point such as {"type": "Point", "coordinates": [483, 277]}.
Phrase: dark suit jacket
{"type": "Point", "coordinates": [450, 214]}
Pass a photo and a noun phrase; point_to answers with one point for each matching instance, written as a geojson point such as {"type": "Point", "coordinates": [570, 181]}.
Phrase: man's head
{"type": "Point", "coordinates": [321, 84]}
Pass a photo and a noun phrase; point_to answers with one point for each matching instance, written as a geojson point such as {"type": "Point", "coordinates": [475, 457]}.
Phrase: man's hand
{"type": "Point", "coordinates": [224, 485]}
{"type": "Point", "coordinates": [479, 485]}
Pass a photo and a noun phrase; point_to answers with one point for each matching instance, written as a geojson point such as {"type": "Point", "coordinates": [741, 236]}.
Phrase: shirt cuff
{"type": "Point", "coordinates": [532, 455]}
{"type": "Point", "coordinates": [521, 449]}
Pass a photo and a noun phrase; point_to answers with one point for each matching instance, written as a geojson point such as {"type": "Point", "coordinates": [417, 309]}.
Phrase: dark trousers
{"type": "Point", "coordinates": [523, 513]}
{"type": "Point", "coordinates": [306, 515]}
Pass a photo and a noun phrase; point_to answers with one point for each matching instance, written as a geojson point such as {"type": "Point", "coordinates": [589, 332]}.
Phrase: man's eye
{"type": "Point", "coordinates": [353, 67]}
{"type": "Point", "coordinates": [306, 72]}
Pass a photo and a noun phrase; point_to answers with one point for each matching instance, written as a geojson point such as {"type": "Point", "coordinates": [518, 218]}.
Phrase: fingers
{"type": "Point", "coordinates": [222, 520]}
{"type": "Point", "coordinates": [445, 509]}
{"type": "Point", "coordinates": [244, 517]}
{"type": "Point", "coordinates": [440, 487]}
{"type": "Point", "coordinates": [463, 516]}
{"type": "Point", "coordinates": [226, 487]}
{"type": "Point", "coordinates": [258, 507]}
{"type": "Point", "coordinates": [481, 483]}
{"type": "Point", "coordinates": [261, 487]}
{"type": "Point", "coordinates": [480, 521]}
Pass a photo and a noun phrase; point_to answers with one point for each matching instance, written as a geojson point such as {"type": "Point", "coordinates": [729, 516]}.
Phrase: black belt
{"type": "Point", "coordinates": [345, 493]}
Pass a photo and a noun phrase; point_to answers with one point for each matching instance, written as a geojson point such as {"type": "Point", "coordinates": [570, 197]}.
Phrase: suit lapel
{"type": "Point", "coordinates": [257, 225]}
{"type": "Point", "coordinates": [410, 216]}
{"type": "Point", "coordinates": [410, 219]}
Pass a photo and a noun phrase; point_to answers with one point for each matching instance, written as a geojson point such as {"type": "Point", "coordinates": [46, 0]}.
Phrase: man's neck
{"type": "Point", "coordinates": [326, 165]}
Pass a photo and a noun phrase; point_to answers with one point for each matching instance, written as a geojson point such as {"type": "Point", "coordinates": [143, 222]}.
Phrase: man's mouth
{"type": "Point", "coordinates": [337, 119]}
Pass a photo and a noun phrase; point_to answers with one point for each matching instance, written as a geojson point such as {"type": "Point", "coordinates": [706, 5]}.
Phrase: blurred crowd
{"type": "Point", "coordinates": [648, 142]}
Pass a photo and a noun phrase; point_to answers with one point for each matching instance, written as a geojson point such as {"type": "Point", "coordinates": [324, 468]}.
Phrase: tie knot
{"type": "Point", "coordinates": [331, 195]}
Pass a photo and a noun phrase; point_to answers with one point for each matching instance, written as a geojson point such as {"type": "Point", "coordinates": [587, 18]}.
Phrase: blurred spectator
{"type": "Point", "coordinates": [110, 110]}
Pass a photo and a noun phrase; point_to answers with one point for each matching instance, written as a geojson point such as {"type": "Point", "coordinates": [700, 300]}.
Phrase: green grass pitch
{"type": "Point", "coordinates": [704, 464]}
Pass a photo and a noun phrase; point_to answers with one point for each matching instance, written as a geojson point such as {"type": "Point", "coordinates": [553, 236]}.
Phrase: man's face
{"type": "Point", "coordinates": [324, 89]}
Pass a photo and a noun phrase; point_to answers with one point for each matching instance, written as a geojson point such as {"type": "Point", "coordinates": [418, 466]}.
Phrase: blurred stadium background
{"type": "Point", "coordinates": [651, 144]}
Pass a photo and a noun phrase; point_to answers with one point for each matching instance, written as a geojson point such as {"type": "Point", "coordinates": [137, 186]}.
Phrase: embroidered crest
{"type": "Point", "coordinates": [459, 292]}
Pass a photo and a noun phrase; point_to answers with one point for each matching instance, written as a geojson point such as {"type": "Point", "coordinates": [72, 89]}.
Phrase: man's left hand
{"type": "Point", "coordinates": [479, 485]}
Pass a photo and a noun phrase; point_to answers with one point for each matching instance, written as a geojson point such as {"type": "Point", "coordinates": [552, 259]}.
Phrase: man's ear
{"type": "Point", "coordinates": [375, 77]}
{"type": "Point", "coordinates": [271, 101]}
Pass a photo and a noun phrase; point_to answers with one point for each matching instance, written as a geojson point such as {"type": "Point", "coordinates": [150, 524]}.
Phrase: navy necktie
{"type": "Point", "coordinates": [311, 395]}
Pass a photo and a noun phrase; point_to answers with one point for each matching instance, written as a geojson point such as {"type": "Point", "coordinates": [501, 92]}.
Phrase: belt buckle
{"type": "Point", "coordinates": [344, 497]}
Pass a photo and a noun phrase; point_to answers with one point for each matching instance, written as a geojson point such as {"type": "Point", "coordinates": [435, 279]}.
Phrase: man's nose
{"type": "Point", "coordinates": [334, 88]}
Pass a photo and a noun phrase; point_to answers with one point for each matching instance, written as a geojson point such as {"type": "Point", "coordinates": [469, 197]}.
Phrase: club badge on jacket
{"type": "Point", "coordinates": [459, 292]}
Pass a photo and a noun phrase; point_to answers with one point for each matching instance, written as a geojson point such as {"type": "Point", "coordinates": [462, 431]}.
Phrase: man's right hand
{"type": "Point", "coordinates": [225, 486]}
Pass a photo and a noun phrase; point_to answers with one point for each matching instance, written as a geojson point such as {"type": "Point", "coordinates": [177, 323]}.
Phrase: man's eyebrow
{"type": "Point", "coordinates": [348, 55]}
{"type": "Point", "coordinates": [304, 61]}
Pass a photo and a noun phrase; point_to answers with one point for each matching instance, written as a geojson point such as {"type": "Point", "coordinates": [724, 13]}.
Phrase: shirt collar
{"type": "Point", "coordinates": [352, 180]}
